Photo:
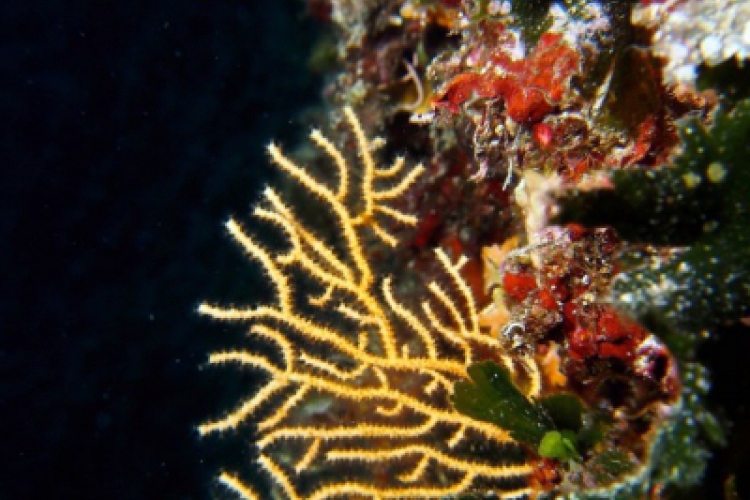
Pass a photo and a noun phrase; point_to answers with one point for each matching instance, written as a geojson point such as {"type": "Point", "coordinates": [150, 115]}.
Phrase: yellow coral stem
{"type": "Point", "coordinates": [444, 459]}
{"type": "Point", "coordinates": [354, 373]}
{"type": "Point", "coordinates": [237, 486]}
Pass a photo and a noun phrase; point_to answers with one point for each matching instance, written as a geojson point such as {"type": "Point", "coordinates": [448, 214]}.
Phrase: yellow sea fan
{"type": "Point", "coordinates": [356, 404]}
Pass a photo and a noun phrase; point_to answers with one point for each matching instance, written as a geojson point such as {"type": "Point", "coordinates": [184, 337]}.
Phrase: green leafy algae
{"type": "Point", "coordinates": [559, 445]}
{"type": "Point", "coordinates": [492, 396]}
{"type": "Point", "coordinates": [565, 410]}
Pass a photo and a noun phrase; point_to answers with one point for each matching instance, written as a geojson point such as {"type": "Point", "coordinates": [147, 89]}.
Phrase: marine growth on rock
{"type": "Point", "coordinates": [497, 275]}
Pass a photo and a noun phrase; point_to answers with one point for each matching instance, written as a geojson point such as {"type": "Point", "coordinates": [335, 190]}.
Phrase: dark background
{"type": "Point", "coordinates": [129, 132]}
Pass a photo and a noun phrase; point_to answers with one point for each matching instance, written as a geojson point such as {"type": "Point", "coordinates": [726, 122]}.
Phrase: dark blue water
{"type": "Point", "coordinates": [130, 131]}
